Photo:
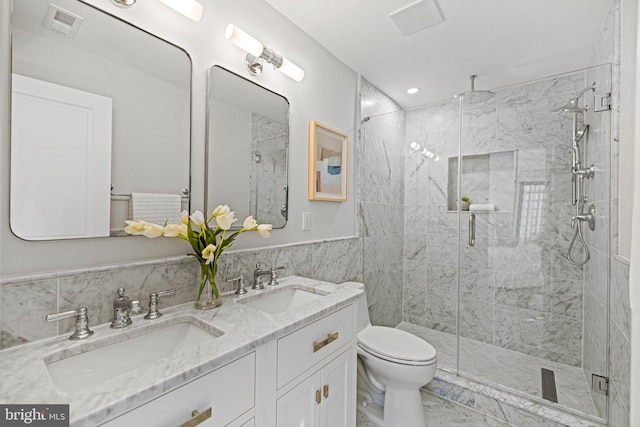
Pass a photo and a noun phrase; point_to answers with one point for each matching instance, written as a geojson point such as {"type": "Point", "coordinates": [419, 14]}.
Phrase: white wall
{"type": "Point", "coordinates": [327, 94]}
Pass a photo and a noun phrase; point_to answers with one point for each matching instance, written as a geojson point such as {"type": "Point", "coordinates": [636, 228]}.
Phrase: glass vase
{"type": "Point", "coordinates": [207, 295]}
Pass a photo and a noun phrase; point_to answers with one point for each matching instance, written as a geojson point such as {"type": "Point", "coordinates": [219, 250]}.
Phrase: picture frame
{"type": "Point", "coordinates": [327, 163]}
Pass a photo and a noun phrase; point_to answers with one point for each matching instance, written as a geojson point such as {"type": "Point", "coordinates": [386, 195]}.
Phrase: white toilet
{"type": "Point", "coordinates": [392, 366]}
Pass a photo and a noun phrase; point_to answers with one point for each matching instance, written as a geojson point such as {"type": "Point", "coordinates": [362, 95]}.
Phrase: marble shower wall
{"type": "Point", "coordinates": [381, 198]}
{"type": "Point", "coordinates": [26, 300]}
{"type": "Point", "coordinates": [517, 290]}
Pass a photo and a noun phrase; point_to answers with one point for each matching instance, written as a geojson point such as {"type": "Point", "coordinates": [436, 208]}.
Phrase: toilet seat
{"type": "Point", "coordinates": [396, 346]}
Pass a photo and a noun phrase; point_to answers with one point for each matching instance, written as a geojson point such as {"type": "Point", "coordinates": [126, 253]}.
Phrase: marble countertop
{"type": "Point", "coordinates": [25, 378]}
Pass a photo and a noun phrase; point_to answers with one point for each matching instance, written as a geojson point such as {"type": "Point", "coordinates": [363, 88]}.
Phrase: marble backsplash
{"type": "Point", "coordinates": [26, 300]}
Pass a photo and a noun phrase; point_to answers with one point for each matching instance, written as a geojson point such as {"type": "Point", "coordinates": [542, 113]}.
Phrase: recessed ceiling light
{"type": "Point", "coordinates": [413, 90]}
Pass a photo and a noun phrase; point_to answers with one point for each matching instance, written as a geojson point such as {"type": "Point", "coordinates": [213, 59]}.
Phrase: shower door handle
{"type": "Point", "coordinates": [472, 230]}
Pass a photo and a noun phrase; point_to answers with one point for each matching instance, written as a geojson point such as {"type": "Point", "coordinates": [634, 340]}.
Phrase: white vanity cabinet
{"type": "Point", "coordinates": [322, 399]}
{"type": "Point", "coordinates": [305, 378]}
{"type": "Point", "coordinates": [228, 392]}
{"type": "Point", "coordinates": [315, 377]}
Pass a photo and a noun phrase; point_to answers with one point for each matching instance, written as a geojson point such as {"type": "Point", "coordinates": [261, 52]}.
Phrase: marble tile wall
{"type": "Point", "coordinates": [27, 300]}
{"type": "Point", "coordinates": [517, 290]}
{"type": "Point", "coordinates": [619, 344]}
{"type": "Point", "coordinates": [381, 207]}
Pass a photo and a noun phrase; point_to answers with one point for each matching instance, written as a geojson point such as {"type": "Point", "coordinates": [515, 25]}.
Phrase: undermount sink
{"type": "Point", "coordinates": [281, 300]}
{"type": "Point", "coordinates": [122, 354]}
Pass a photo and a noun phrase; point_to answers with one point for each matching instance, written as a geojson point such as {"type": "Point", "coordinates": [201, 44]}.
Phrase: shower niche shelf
{"type": "Point", "coordinates": [487, 178]}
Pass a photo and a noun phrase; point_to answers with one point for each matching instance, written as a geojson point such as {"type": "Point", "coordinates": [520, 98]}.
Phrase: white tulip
{"type": "Point", "coordinates": [263, 230]}
{"type": "Point", "coordinates": [153, 230]}
{"type": "Point", "coordinates": [197, 218]}
{"type": "Point", "coordinates": [221, 210]}
{"type": "Point", "coordinates": [249, 223]}
{"type": "Point", "coordinates": [225, 220]}
{"type": "Point", "coordinates": [208, 253]}
{"type": "Point", "coordinates": [134, 227]}
{"type": "Point", "coordinates": [184, 217]}
{"type": "Point", "coordinates": [173, 230]}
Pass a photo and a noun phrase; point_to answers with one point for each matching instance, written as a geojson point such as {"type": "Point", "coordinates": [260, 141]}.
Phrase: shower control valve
{"type": "Point", "coordinates": [586, 173]}
{"type": "Point", "coordinates": [589, 218]}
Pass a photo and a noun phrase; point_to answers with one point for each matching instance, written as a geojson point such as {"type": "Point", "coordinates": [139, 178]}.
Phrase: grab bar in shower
{"type": "Point", "coordinates": [472, 230]}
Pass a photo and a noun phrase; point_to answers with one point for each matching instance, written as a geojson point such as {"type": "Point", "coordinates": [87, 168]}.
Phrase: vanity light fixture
{"type": "Point", "coordinates": [257, 52]}
{"type": "Point", "coordinates": [192, 9]}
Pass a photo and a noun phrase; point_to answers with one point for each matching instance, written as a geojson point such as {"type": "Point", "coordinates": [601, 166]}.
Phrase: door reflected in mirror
{"type": "Point", "coordinates": [100, 110]}
{"type": "Point", "coordinates": [247, 148]}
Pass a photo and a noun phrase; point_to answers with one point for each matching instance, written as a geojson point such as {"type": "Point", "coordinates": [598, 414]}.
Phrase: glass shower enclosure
{"type": "Point", "coordinates": [487, 280]}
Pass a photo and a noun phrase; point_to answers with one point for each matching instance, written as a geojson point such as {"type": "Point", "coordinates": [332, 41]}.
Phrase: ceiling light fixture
{"type": "Point", "coordinates": [192, 9]}
{"type": "Point", "coordinates": [413, 90]}
{"type": "Point", "coordinates": [257, 52]}
{"type": "Point", "coordinates": [124, 3]}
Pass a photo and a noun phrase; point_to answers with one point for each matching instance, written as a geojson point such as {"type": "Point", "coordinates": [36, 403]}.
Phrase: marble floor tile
{"type": "Point", "coordinates": [508, 368]}
{"type": "Point", "coordinates": [440, 412]}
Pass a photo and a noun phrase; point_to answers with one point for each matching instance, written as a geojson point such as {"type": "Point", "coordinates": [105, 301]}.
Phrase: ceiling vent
{"type": "Point", "coordinates": [417, 16]}
{"type": "Point", "coordinates": [62, 21]}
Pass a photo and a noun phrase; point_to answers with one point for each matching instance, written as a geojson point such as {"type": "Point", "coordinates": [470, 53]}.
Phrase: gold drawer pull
{"type": "Point", "coordinates": [328, 340]}
{"type": "Point", "coordinates": [326, 391]}
{"type": "Point", "coordinates": [318, 397]}
{"type": "Point", "coordinates": [198, 418]}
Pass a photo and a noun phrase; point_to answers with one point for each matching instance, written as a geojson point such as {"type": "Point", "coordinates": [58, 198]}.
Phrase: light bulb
{"type": "Point", "coordinates": [189, 8]}
{"type": "Point", "coordinates": [243, 40]}
{"type": "Point", "coordinates": [414, 145]}
{"type": "Point", "coordinates": [292, 70]}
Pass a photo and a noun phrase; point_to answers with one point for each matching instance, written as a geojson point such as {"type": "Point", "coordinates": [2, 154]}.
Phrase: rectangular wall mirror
{"type": "Point", "coordinates": [100, 109]}
{"type": "Point", "coordinates": [247, 148]}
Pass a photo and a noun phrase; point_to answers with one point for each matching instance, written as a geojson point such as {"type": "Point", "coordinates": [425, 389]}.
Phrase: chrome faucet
{"type": "Point", "coordinates": [257, 277]}
{"type": "Point", "coordinates": [258, 273]}
{"type": "Point", "coordinates": [123, 308]}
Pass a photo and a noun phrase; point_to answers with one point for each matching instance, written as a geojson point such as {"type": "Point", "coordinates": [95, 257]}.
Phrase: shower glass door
{"type": "Point", "coordinates": [528, 319]}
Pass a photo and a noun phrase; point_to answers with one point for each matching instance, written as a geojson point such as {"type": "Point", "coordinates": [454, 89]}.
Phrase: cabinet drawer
{"type": "Point", "coordinates": [229, 391]}
{"type": "Point", "coordinates": [297, 351]}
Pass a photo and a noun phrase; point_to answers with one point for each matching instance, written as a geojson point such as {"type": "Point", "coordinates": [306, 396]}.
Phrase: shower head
{"type": "Point", "coordinates": [478, 95]}
{"type": "Point", "coordinates": [572, 106]}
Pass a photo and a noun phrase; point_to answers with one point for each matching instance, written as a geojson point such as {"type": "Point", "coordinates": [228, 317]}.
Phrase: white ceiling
{"type": "Point", "coordinates": [504, 42]}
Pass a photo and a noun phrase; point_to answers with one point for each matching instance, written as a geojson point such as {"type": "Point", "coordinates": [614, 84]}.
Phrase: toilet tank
{"type": "Point", "coordinates": [363, 307]}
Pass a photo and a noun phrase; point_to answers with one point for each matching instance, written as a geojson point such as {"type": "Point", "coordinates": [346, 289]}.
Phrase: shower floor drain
{"type": "Point", "coordinates": [549, 385]}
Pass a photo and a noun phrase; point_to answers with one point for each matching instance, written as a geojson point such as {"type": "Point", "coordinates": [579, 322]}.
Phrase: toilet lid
{"type": "Point", "coordinates": [396, 344]}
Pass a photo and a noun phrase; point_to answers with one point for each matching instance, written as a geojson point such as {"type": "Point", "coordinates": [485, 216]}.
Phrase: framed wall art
{"type": "Point", "coordinates": [327, 163]}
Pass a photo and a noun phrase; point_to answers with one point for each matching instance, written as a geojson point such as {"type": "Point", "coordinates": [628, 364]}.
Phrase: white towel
{"type": "Point", "coordinates": [159, 209]}
{"type": "Point", "coordinates": [482, 207]}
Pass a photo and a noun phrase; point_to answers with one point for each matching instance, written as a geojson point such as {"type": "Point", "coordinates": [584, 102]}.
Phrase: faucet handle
{"type": "Point", "coordinates": [274, 275]}
{"type": "Point", "coordinates": [241, 285]}
{"type": "Point", "coordinates": [153, 312]}
{"type": "Point", "coordinates": [82, 322]}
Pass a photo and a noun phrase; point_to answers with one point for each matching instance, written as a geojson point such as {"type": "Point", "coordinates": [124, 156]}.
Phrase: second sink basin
{"type": "Point", "coordinates": [135, 349]}
{"type": "Point", "coordinates": [281, 300]}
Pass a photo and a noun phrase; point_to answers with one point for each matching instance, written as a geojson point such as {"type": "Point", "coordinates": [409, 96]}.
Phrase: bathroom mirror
{"type": "Point", "coordinates": [100, 110]}
{"type": "Point", "coordinates": [247, 148]}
